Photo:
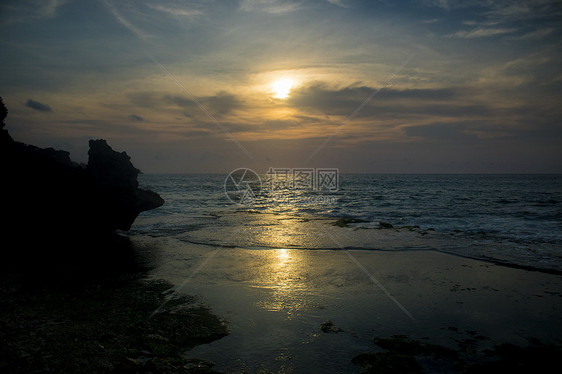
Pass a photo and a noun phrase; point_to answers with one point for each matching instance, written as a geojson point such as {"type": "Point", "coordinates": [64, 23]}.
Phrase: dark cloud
{"type": "Point", "coordinates": [103, 126]}
{"type": "Point", "coordinates": [444, 110]}
{"type": "Point", "coordinates": [455, 131]}
{"type": "Point", "coordinates": [318, 100]}
{"type": "Point", "coordinates": [267, 126]}
{"type": "Point", "coordinates": [180, 101]}
{"type": "Point", "coordinates": [221, 103]}
{"type": "Point", "coordinates": [280, 124]}
{"type": "Point", "coordinates": [135, 118]}
{"type": "Point", "coordinates": [36, 105]}
{"type": "Point", "coordinates": [306, 119]}
{"type": "Point", "coordinates": [218, 104]}
{"type": "Point", "coordinates": [321, 98]}
{"type": "Point", "coordinates": [144, 99]}
{"type": "Point", "coordinates": [414, 93]}
{"type": "Point", "coordinates": [231, 127]}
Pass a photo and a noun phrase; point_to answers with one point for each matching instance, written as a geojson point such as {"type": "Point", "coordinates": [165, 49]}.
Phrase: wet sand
{"type": "Point", "coordinates": [291, 310]}
{"type": "Point", "coordinates": [286, 311]}
{"type": "Point", "coordinates": [98, 316]}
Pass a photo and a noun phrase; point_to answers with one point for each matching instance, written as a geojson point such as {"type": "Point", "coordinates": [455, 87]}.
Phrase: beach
{"type": "Point", "coordinates": [298, 311]}
{"type": "Point", "coordinates": [199, 308]}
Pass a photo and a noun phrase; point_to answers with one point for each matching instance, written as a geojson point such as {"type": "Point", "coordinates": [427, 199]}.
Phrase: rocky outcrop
{"type": "Point", "coordinates": [116, 181]}
{"type": "Point", "coordinates": [46, 198]}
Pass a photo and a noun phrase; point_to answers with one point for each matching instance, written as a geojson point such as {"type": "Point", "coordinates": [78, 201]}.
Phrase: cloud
{"type": "Point", "coordinates": [135, 118]}
{"type": "Point", "coordinates": [482, 32]}
{"type": "Point", "coordinates": [281, 124]}
{"type": "Point", "coordinates": [124, 21]}
{"type": "Point", "coordinates": [221, 103]}
{"type": "Point", "coordinates": [506, 9]}
{"type": "Point", "coordinates": [27, 10]}
{"type": "Point", "coordinates": [180, 101]}
{"type": "Point", "coordinates": [344, 101]}
{"type": "Point", "coordinates": [36, 105]}
{"type": "Point", "coordinates": [48, 8]}
{"type": "Point", "coordinates": [269, 6]}
{"type": "Point", "coordinates": [340, 3]}
{"type": "Point", "coordinates": [522, 10]}
{"type": "Point", "coordinates": [537, 34]}
{"type": "Point", "coordinates": [144, 99]}
{"type": "Point", "coordinates": [494, 18]}
{"type": "Point", "coordinates": [176, 11]}
{"type": "Point", "coordinates": [443, 4]}
{"type": "Point", "coordinates": [456, 131]}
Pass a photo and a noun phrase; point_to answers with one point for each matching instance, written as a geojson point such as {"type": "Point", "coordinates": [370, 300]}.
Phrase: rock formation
{"type": "Point", "coordinates": [118, 190]}
{"type": "Point", "coordinates": [46, 198]}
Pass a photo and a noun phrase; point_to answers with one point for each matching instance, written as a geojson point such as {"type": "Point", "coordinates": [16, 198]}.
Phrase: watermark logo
{"type": "Point", "coordinates": [313, 179]}
{"type": "Point", "coordinates": [242, 186]}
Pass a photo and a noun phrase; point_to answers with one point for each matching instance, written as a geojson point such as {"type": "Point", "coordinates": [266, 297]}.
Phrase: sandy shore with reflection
{"type": "Point", "coordinates": [276, 301]}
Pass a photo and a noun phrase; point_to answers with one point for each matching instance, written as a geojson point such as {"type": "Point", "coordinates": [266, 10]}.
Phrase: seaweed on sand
{"type": "Point", "coordinates": [104, 330]}
{"type": "Point", "coordinates": [344, 222]}
{"type": "Point", "coordinates": [404, 355]}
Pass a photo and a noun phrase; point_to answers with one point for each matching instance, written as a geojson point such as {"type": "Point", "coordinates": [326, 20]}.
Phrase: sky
{"type": "Point", "coordinates": [380, 86]}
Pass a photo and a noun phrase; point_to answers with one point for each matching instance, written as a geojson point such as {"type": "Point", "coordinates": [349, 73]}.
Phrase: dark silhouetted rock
{"type": "Point", "coordinates": [47, 200]}
{"type": "Point", "coordinates": [116, 179]}
{"type": "Point", "coordinates": [385, 225]}
{"type": "Point", "coordinates": [329, 327]}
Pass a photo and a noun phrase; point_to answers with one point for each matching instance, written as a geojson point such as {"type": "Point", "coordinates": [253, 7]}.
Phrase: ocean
{"type": "Point", "coordinates": [510, 219]}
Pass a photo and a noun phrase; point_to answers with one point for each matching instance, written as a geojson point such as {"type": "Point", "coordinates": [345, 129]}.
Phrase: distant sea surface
{"type": "Point", "coordinates": [514, 219]}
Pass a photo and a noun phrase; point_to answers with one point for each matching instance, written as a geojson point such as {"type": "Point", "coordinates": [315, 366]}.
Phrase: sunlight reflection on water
{"type": "Point", "coordinates": [288, 290]}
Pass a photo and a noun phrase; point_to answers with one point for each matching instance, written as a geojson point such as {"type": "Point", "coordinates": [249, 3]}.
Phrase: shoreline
{"type": "Point", "coordinates": [490, 260]}
{"type": "Point", "coordinates": [274, 231]}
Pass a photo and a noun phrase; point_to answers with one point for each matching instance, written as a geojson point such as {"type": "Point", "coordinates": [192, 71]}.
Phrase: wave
{"type": "Point", "coordinates": [511, 219]}
{"type": "Point", "coordinates": [252, 229]}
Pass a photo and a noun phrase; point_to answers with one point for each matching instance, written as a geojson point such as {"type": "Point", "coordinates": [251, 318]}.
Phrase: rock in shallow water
{"type": "Point", "coordinates": [116, 178]}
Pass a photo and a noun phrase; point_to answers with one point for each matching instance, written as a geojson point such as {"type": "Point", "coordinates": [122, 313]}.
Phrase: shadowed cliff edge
{"type": "Point", "coordinates": [57, 211]}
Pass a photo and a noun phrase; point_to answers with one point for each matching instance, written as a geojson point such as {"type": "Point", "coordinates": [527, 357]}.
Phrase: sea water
{"type": "Point", "coordinates": [516, 219]}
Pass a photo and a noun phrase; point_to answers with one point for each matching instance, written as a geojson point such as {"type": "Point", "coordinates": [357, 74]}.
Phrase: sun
{"type": "Point", "coordinates": [282, 88]}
